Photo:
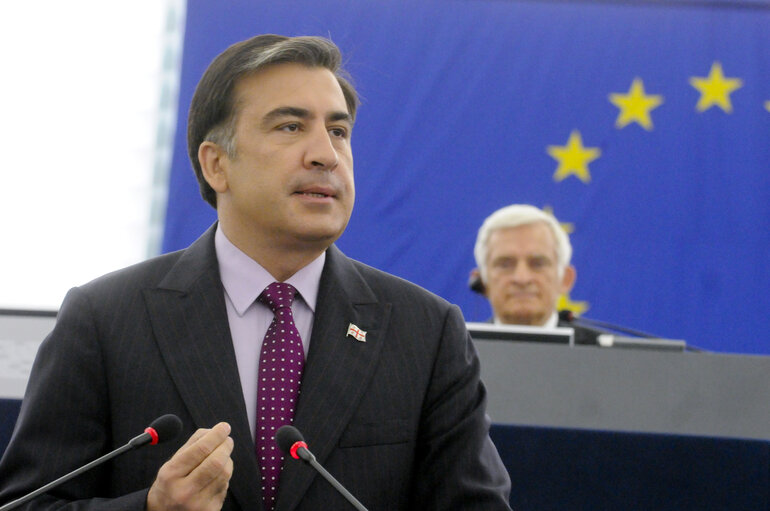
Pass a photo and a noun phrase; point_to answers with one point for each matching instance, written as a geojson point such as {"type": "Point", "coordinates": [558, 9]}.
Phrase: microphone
{"type": "Point", "coordinates": [162, 429]}
{"type": "Point", "coordinates": [290, 441]}
{"type": "Point", "coordinates": [475, 283]}
{"type": "Point", "coordinates": [569, 317]}
{"type": "Point", "coordinates": [608, 340]}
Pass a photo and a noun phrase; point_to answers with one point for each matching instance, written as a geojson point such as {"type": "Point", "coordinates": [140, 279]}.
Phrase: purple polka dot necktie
{"type": "Point", "coordinates": [280, 372]}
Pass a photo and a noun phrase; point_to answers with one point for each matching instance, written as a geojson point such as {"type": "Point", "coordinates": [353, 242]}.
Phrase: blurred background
{"type": "Point", "coordinates": [642, 125]}
{"type": "Point", "coordinates": [88, 98]}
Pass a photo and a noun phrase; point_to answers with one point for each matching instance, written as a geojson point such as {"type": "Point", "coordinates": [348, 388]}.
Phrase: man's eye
{"type": "Point", "coordinates": [504, 264]}
{"type": "Point", "coordinates": [539, 262]}
{"type": "Point", "coordinates": [292, 127]}
{"type": "Point", "coordinates": [339, 132]}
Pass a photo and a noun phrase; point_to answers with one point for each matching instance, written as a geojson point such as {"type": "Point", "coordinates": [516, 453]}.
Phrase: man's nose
{"type": "Point", "coordinates": [321, 153]}
{"type": "Point", "coordinates": [521, 273]}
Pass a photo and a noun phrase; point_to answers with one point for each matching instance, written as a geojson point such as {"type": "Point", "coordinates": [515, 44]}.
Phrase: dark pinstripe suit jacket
{"type": "Point", "coordinates": [399, 419]}
{"type": "Point", "coordinates": [583, 335]}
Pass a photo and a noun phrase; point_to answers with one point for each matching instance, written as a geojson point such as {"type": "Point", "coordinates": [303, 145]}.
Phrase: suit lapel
{"type": "Point", "coordinates": [190, 324]}
{"type": "Point", "coordinates": [337, 370]}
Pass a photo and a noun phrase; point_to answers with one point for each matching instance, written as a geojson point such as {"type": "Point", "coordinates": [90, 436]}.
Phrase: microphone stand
{"type": "Point", "coordinates": [16, 503]}
{"type": "Point", "coordinates": [163, 428]}
{"type": "Point", "coordinates": [653, 340]}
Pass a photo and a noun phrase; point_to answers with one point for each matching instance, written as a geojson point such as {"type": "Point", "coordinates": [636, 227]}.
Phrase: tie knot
{"type": "Point", "coordinates": [278, 295]}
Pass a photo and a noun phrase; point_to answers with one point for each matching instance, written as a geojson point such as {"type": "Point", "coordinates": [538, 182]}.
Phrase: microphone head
{"type": "Point", "coordinates": [475, 283]}
{"type": "Point", "coordinates": [566, 315]}
{"type": "Point", "coordinates": [166, 427]}
{"type": "Point", "coordinates": [286, 437]}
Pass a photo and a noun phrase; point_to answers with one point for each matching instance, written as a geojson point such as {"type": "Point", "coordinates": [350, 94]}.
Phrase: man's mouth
{"type": "Point", "coordinates": [523, 294]}
{"type": "Point", "coordinates": [317, 192]}
{"type": "Point", "coordinates": [314, 194]}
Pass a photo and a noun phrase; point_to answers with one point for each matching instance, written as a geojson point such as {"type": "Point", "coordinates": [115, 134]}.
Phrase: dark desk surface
{"type": "Point", "coordinates": [558, 469]}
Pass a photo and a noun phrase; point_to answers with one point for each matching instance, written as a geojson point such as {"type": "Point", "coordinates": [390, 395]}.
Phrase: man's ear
{"type": "Point", "coordinates": [568, 279]}
{"type": "Point", "coordinates": [213, 160]}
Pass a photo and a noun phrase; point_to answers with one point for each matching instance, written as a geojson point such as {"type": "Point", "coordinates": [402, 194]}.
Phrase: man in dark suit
{"type": "Point", "coordinates": [390, 400]}
{"type": "Point", "coordinates": [523, 266]}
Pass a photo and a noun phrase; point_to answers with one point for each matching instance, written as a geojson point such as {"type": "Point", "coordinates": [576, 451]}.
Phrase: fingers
{"type": "Point", "coordinates": [198, 447]}
{"type": "Point", "coordinates": [215, 468]}
{"type": "Point", "coordinates": [198, 475]}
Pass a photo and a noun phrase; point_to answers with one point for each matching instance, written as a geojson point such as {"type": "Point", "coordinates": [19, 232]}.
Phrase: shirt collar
{"type": "Point", "coordinates": [552, 322]}
{"type": "Point", "coordinates": [244, 279]}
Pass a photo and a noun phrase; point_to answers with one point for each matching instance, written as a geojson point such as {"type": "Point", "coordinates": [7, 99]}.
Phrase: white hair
{"type": "Point", "coordinates": [514, 216]}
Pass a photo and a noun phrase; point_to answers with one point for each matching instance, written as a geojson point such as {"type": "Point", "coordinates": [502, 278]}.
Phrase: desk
{"type": "Point", "coordinates": [621, 389]}
{"type": "Point", "coordinates": [20, 336]}
{"type": "Point", "coordinates": [588, 428]}
{"type": "Point", "coordinates": [557, 469]}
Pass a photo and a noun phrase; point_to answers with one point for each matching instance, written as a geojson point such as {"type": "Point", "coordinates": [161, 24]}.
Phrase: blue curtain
{"type": "Point", "coordinates": [643, 126]}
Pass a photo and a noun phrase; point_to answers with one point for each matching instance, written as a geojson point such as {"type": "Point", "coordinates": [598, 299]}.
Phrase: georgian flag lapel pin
{"type": "Point", "coordinates": [356, 333]}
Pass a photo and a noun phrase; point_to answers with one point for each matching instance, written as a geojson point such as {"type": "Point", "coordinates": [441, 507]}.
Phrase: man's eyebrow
{"type": "Point", "coordinates": [285, 111]}
{"type": "Point", "coordinates": [340, 116]}
{"type": "Point", "coordinates": [303, 113]}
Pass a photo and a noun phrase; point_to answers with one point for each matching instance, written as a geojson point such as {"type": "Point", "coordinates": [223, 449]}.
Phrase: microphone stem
{"type": "Point", "coordinates": [617, 328]}
{"type": "Point", "coordinates": [16, 503]}
{"type": "Point", "coordinates": [345, 493]}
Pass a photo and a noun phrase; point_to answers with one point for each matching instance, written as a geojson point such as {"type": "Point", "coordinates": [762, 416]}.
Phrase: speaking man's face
{"type": "Point", "coordinates": [290, 183]}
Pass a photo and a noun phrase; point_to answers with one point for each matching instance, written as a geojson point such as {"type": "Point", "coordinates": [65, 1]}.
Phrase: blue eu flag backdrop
{"type": "Point", "coordinates": [643, 126]}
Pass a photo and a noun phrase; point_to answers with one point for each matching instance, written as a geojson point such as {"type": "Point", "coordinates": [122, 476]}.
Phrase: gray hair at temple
{"type": "Point", "coordinates": [213, 112]}
{"type": "Point", "coordinates": [514, 216]}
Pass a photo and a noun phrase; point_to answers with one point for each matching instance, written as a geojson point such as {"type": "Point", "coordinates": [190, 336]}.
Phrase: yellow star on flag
{"type": "Point", "coordinates": [573, 158]}
{"type": "Point", "coordinates": [767, 106]}
{"type": "Point", "coordinates": [635, 106]}
{"type": "Point", "coordinates": [564, 302]}
{"type": "Point", "coordinates": [715, 89]}
{"type": "Point", "coordinates": [567, 227]}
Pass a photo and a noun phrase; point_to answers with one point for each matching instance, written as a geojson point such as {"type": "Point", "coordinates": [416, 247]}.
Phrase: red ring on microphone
{"type": "Point", "coordinates": [293, 450]}
{"type": "Point", "coordinates": [153, 434]}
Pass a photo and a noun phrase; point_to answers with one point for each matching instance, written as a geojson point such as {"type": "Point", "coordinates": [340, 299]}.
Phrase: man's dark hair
{"type": "Point", "coordinates": [213, 112]}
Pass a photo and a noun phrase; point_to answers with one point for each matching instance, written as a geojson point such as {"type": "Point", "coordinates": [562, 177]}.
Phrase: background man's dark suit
{"type": "Point", "coordinates": [154, 339]}
{"type": "Point", "coordinates": [583, 335]}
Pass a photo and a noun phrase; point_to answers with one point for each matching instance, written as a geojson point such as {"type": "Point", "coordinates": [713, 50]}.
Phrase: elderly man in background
{"type": "Point", "coordinates": [523, 265]}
